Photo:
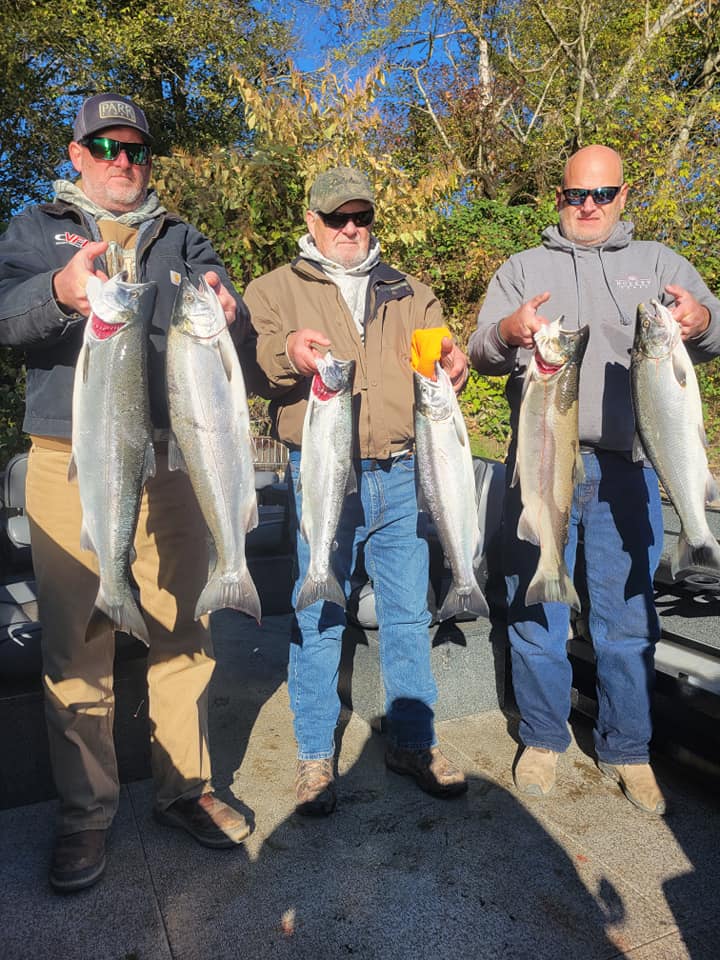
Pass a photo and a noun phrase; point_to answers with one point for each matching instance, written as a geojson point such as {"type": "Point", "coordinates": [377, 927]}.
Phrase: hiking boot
{"type": "Point", "coordinates": [535, 771]}
{"type": "Point", "coordinates": [638, 783]}
{"type": "Point", "coordinates": [78, 860]}
{"type": "Point", "coordinates": [315, 788]}
{"type": "Point", "coordinates": [431, 770]}
{"type": "Point", "coordinates": [206, 818]}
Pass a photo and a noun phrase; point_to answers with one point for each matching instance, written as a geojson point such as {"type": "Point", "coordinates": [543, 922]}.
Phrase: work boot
{"type": "Point", "coordinates": [431, 770]}
{"type": "Point", "coordinates": [535, 771]}
{"type": "Point", "coordinates": [206, 818]}
{"type": "Point", "coordinates": [315, 787]}
{"type": "Point", "coordinates": [638, 784]}
{"type": "Point", "coordinates": [78, 860]}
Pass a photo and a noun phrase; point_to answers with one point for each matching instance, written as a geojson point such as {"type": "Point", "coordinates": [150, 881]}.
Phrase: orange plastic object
{"type": "Point", "coordinates": [425, 349]}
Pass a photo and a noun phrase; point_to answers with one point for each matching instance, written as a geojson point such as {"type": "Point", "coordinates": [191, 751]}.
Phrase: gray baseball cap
{"type": "Point", "coordinates": [335, 187]}
{"type": "Point", "coordinates": [109, 110]}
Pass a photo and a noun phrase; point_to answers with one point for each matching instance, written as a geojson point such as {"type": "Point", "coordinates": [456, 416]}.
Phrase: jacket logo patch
{"type": "Point", "coordinates": [74, 239]}
{"type": "Point", "coordinates": [633, 283]}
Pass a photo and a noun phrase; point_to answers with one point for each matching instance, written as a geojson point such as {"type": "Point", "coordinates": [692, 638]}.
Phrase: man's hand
{"type": "Point", "coordinates": [301, 350]}
{"type": "Point", "coordinates": [70, 283]}
{"type": "Point", "coordinates": [455, 363]}
{"type": "Point", "coordinates": [692, 316]}
{"type": "Point", "coordinates": [227, 300]}
{"type": "Point", "coordinates": [518, 329]}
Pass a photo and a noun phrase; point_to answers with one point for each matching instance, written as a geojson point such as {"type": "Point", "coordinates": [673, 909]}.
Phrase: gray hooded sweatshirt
{"type": "Point", "coordinates": [601, 286]}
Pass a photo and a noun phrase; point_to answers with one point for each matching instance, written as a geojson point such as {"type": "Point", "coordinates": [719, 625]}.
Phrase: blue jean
{"type": "Point", "coordinates": [383, 516]}
{"type": "Point", "coordinates": [618, 508]}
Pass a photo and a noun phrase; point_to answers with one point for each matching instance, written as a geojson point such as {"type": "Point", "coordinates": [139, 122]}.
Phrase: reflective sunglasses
{"type": "Point", "coordinates": [601, 195]}
{"type": "Point", "coordinates": [336, 221]}
{"type": "Point", "coordinates": [103, 148]}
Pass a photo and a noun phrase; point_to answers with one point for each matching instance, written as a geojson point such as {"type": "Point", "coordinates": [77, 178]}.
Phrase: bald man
{"type": "Point", "coordinates": [591, 271]}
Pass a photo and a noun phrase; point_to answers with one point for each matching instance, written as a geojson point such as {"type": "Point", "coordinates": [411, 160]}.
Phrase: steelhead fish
{"type": "Point", "coordinates": [210, 439]}
{"type": "Point", "coordinates": [326, 474]}
{"type": "Point", "coordinates": [548, 462]}
{"type": "Point", "coordinates": [447, 483]}
{"type": "Point", "coordinates": [669, 420]}
{"type": "Point", "coordinates": [112, 451]}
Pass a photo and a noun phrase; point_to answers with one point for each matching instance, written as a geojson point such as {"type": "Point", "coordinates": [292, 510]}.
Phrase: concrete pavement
{"type": "Point", "coordinates": [393, 873]}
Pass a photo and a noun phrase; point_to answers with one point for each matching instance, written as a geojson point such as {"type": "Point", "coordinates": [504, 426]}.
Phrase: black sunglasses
{"type": "Point", "coordinates": [336, 221]}
{"type": "Point", "coordinates": [103, 148]}
{"type": "Point", "coordinates": [601, 195]}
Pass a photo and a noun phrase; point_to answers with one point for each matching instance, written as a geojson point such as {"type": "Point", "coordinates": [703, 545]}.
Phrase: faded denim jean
{"type": "Point", "coordinates": [383, 516]}
{"type": "Point", "coordinates": [618, 508]}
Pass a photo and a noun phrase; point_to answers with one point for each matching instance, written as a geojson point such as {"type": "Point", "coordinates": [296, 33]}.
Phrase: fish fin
{"type": "Point", "coordinates": [304, 530]}
{"type": "Point", "coordinates": [149, 462]}
{"type": "Point", "coordinates": [86, 542]}
{"type": "Point", "coordinates": [253, 518]}
{"type": "Point", "coordinates": [638, 448]}
{"type": "Point", "coordinates": [236, 592]}
{"type": "Point", "coordinates": [457, 603]}
{"type": "Point", "coordinates": [558, 589]}
{"type": "Point", "coordinates": [226, 356]}
{"type": "Point", "coordinates": [679, 368]}
{"type": "Point", "coordinates": [712, 492]}
{"type": "Point", "coordinates": [525, 530]}
{"type": "Point", "coordinates": [579, 468]}
{"type": "Point", "coordinates": [176, 460]}
{"type": "Point", "coordinates": [313, 590]}
{"type": "Point", "coordinates": [125, 617]}
{"type": "Point", "coordinates": [686, 557]}
{"type": "Point", "coordinates": [460, 429]}
{"type": "Point", "coordinates": [72, 469]}
{"type": "Point", "coordinates": [515, 475]}
{"type": "Point", "coordinates": [702, 434]}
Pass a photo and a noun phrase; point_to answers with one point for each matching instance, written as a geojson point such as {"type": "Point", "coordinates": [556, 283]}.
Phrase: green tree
{"type": "Point", "coordinates": [174, 58]}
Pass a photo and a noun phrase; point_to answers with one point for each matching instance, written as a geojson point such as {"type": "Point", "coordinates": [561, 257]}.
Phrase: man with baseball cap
{"type": "Point", "coordinates": [47, 255]}
{"type": "Point", "coordinates": [365, 311]}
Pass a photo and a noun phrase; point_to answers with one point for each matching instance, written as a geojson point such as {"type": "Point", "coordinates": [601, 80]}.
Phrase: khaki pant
{"type": "Point", "coordinates": [170, 569]}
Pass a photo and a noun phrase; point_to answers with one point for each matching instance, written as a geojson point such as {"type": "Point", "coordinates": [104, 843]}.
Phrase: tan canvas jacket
{"type": "Point", "coordinates": [299, 296]}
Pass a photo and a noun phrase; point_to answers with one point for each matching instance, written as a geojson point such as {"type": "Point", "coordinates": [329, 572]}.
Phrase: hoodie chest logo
{"type": "Point", "coordinates": [631, 282]}
{"type": "Point", "coordinates": [74, 239]}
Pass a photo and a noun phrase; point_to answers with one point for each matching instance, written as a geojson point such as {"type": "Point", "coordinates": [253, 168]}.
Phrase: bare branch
{"type": "Point", "coordinates": [675, 10]}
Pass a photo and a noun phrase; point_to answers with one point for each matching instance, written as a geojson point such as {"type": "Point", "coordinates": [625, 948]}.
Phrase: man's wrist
{"type": "Point", "coordinates": [500, 336]}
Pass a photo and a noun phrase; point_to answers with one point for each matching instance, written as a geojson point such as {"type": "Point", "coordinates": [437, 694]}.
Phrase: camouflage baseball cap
{"type": "Point", "coordinates": [109, 110]}
{"type": "Point", "coordinates": [335, 187]}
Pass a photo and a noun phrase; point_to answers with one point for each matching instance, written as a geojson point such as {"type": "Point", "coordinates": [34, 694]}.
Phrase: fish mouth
{"type": "Point", "coordinates": [321, 390]}
{"type": "Point", "coordinates": [101, 329]}
{"type": "Point", "coordinates": [544, 367]}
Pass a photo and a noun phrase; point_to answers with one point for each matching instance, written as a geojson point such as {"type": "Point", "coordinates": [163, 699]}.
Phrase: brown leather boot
{"type": "Point", "coordinates": [638, 783]}
{"type": "Point", "coordinates": [535, 771]}
{"type": "Point", "coordinates": [431, 770]}
{"type": "Point", "coordinates": [78, 860]}
{"type": "Point", "coordinates": [206, 818]}
{"type": "Point", "coordinates": [315, 787]}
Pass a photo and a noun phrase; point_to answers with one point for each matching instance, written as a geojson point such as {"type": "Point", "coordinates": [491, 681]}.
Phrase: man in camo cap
{"type": "Point", "coordinates": [365, 311]}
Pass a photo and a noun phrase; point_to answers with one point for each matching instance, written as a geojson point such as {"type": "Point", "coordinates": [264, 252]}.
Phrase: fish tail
{"type": "Point", "coordinates": [312, 590]}
{"type": "Point", "coordinates": [457, 603]}
{"type": "Point", "coordinates": [706, 555]}
{"type": "Point", "coordinates": [125, 616]}
{"type": "Point", "coordinates": [556, 589]}
{"type": "Point", "coordinates": [236, 592]}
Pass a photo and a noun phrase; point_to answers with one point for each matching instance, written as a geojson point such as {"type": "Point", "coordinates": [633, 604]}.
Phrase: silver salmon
{"type": "Point", "coordinates": [548, 462]}
{"type": "Point", "coordinates": [210, 439]}
{"type": "Point", "coordinates": [326, 474]}
{"type": "Point", "coordinates": [112, 452]}
{"type": "Point", "coordinates": [669, 420]}
{"type": "Point", "coordinates": [447, 483]}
